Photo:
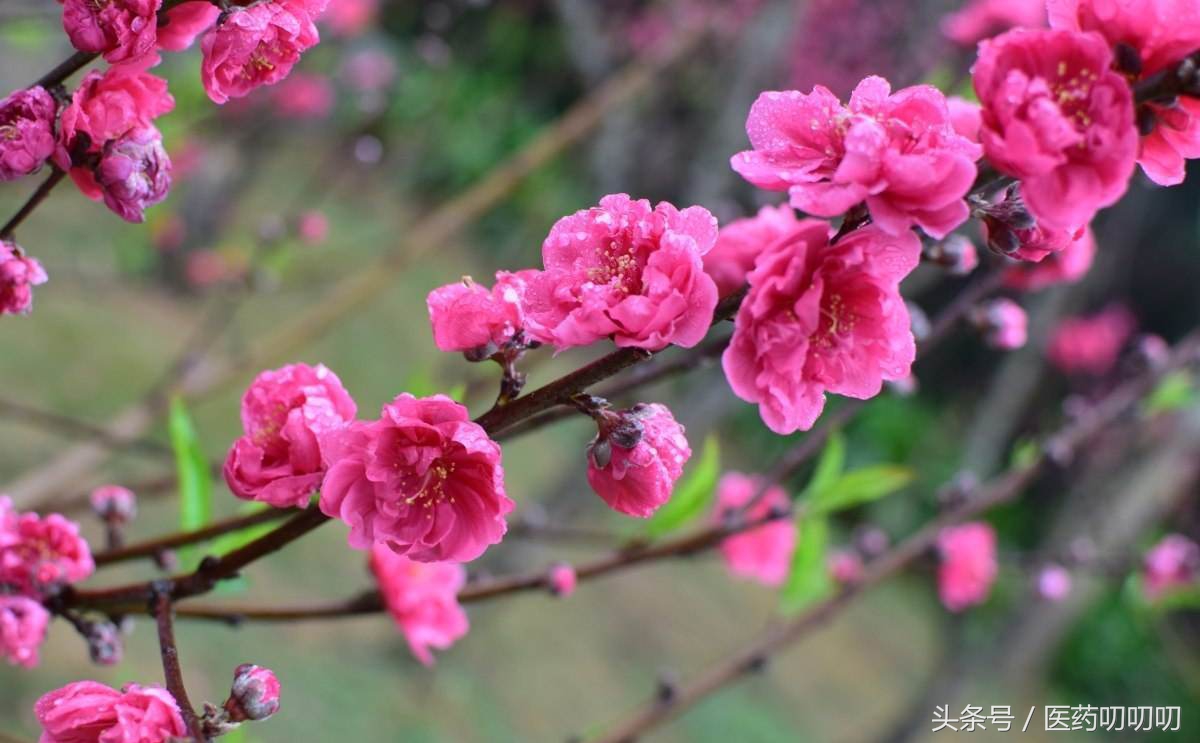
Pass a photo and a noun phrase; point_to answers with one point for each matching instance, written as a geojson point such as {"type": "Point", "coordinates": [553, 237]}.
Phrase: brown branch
{"type": "Point", "coordinates": [160, 606]}
{"type": "Point", "coordinates": [65, 69]}
{"type": "Point", "coordinates": [52, 180]}
{"type": "Point", "coordinates": [1003, 488]}
{"type": "Point", "coordinates": [74, 427]}
{"type": "Point", "coordinates": [154, 547]}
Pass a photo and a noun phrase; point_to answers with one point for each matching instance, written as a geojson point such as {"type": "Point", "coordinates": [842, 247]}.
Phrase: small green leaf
{"type": "Point", "coordinates": [829, 467]}
{"type": "Point", "coordinates": [191, 467]}
{"type": "Point", "coordinates": [1175, 391]}
{"type": "Point", "coordinates": [859, 487]}
{"type": "Point", "coordinates": [808, 581]}
{"type": "Point", "coordinates": [692, 495]}
{"type": "Point", "coordinates": [1025, 453]}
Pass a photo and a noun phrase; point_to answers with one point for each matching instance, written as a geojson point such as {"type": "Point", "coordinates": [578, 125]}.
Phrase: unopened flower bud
{"type": "Point", "coordinates": [845, 567]}
{"type": "Point", "coordinates": [872, 541]}
{"type": "Point", "coordinates": [254, 695]}
{"type": "Point", "coordinates": [562, 579]}
{"type": "Point", "coordinates": [1154, 350]}
{"type": "Point", "coordinates": [956, 254]}
{"type": "Point", "coordinates": [114, 503]}
{"type": "Point", "coordinates": [134, 173]}
{"type": "Point", "coordinates": [1004, 324]}
{"type": "Point", "coordinates": [1053, 582]}
{"type": "Point", "coordinates": [105, 646]}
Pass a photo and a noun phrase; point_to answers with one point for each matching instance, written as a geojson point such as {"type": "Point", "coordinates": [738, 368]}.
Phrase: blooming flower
{"type": "Point", "coordinates": [38, 553]}
{"type": "Point", "coordinates": [900, 153]}
{"type": "Point", "coordinates": [1004, 323]}
{"type": "Point", "coordinates": [1057, 117]}
{"type": "Point", "coordinates": [625, 270]}
{"type": "Point", "coordinates": [22, 629]}
{"type": "Point", "coordinates": [257, 45]}
{"type": "Point", "coordinates": [26, 132]}
{"type": "Point", "coordinates": [1171, 564]}
{"type": "Point", "coordinates": [981, 19]}
{"type": "Point", "coordinates": [254, 694]}
{"type": "Point", "coordinates": [740, 242]}
{"type": "Point", "coordinates": [422, 598]}
{"type": "Point", "coordinates": [185, 22]}
{"type": "Point", "coordinates": [19, 273]}
{"type": "Point", "coordinates": [637, 479]}
{"type": "Point", "coordinates": [563, 579]}
{"type": "Point", "coordinates": [423, 479]}
{"type": "Point", "coordinates": [1053, 582]}
{"type": "Point", "coordinates": [121, 30]}
{"type": "Point", "coordinates": [1066, 265]}
{"type": "Point", "coordinates": [763, 553]}
{"type": "Point", "coordinates": [284, 412]}
{"type": "Point", "coordinates": [1160, 33]}
{"type": "Point", "coordinates": [968, 566]}
{"type": "Point", "coordinates": [1092, 344]}
{"type": "Point", "coordinates": [134, 173]}
{"type": "Point", "coordinates": [467, 316]}
{"type": "Point", "coordinates": [819, 318]}
{"type": "Point", "coordinates": [113, 502]}
{"type": "Point", "coordinates": [90, 712]}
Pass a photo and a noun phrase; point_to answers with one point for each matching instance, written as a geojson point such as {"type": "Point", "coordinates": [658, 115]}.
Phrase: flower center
{"type": "Point", "coordinates": [1072, 93]}
{"type": "Point", "coordinates": [837, 319]}
{"type": "Point", "coordinates": [618, 268]}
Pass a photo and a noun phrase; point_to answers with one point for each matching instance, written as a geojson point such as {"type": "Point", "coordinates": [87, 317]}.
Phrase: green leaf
{"type": "Point", "coordinates": [860, 486]}
{"type": "Point", "coordinates": [1175, 391]}
{"type": "Point", "coordinates": [1025, 453]}
{"type": "Point", "coordinates": [692, 495]}
{"type": "Point", "coordinates": [829, 467]}
{"type": "Point", "coordinates": [191, 467]}
{"type": "Point", "coordinates": [808, 581]}
{"type": "Point", "coordinates": [236, 539]}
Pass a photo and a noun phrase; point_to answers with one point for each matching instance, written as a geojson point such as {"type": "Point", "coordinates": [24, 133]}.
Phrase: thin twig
{"type": "Point", "coordinates": [74, 427]}
{"type": "Point", "coordinates": [154, 547]}
{"type": "Point", "coordinates": [160, 605]}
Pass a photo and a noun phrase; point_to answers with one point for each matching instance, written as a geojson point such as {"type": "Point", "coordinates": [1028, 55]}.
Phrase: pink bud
{"type": "Point", "coordinates": [114, 503]}
{"type": "Point", "coordinates": [968, 566]}
{"type": "Point", "coordinates": [845, 566]}
{"type": "Point", "coordinates": [638, 478]}
{"type": "Point", "coordinates": [562, 579]}
{"type": "Point", "coordinates": [1053, 582]}
{"type": "Point", "coordinates": [18, 275]}
{"type": "Point", "coordinates": [312, 227]}
{"type": "Point", "coordinates": [254, 695]}
{"type": "Point", "coordinates": [22, 629]}
{"type": "Point", "coordinates": [1171, 564]}
{"type": "Point", "coordinates": [1004, 323]}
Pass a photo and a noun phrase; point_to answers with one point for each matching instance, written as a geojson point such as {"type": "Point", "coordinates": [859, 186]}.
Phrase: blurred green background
{"type": "Point", "coordinates": [475, 81]}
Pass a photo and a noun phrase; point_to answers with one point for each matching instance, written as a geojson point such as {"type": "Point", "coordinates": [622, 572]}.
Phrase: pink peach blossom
{"type": "Point", "coordinates": [636, 480]}
{"type": "Point", "coordinates": [256, 45]}
{"type": "Point", "coordinates": [422, 598]}
{"type": "Point", "coordinates": [1171, 564]}
{"type": "Point", "coordinates": [121, 30]}
{"type": "Point", "coordinates": [349, 18]}
{"type": "Point", "coordinates": [1064, 265]}
{"type": "Point", "coordinates": [19, 273]}
{"type": "Point", "coordinates": [424, 480]}
{"type": "Point", "coordinates": [981, 19]}
{"type": "Point", "coordinates": [185, 22]}
{"type": "Point", "coordinates": [90, 712]}
{"type": "Point", "coordinates": [1092, 344]}
{"type": "Point", "coordinates": [467, 316]}
{"type": "Point", "coordinates": [625, 270]}
{"type": "Point", "coordinates": [1004, 323]}
{"type": "Point", "coordinates": [38, 554]}
{"type": "Point", "coordinates": [968, 566]}
{"type": "Point", "coordinates": [1053, 582]}
{"type": "Point", "coordinates": [563, 579]}
{"type": "Point", "coordinates": [1161, 33]}
{"type": "Point", "coordinates": [899, 153]}
{"type": "Point", "coordinates": [304, 96]}
{"type": "Point", "coordinates": [26, 132]}
{"type": "Point", "coordinates": [312, 227]}
{"type": "Point", "coordinates": [23, 624]}
{"type": "Point", "coordinates": [1057, 117]}
{"type": "Point", "coordinates": [764, 553]}
{"type": "Point", "coordinates": [819, 318]}
{"type": "Point", "coordinates": [254, 694]}
{"type": "Point", "coordinates": [134, 173]}
{"type": "Point", "coordinates": [284, 413]}
{"type": "Point", "coordinates": [114, 503]}
{"type": "Point", "coordinates": [740, 242]}
{"type": "Point", "coordinates": [965, 116]}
